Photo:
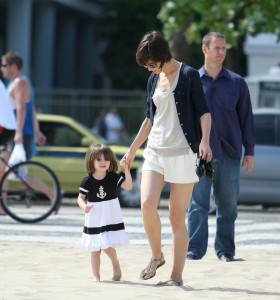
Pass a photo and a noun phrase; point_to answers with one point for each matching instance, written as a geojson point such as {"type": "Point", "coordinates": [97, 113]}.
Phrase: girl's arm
{"type": "Point", "coordinates": [127, 184]}
{"type": "Point", "coordinates": [86, 207]}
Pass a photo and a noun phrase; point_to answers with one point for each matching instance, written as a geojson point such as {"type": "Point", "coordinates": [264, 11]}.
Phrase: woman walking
{"type": "Point", "coordinates": [177, 125]}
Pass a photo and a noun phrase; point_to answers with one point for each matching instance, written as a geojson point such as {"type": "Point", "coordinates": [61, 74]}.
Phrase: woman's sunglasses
{"type": "Point", "coordinates": [152, 65]}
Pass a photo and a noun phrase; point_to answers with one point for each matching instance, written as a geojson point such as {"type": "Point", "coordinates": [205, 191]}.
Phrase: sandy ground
{"type": "Point", "coordinates": [41, 271]}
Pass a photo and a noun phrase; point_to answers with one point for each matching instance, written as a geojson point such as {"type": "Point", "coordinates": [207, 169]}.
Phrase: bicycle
{"type": "Point", "coordinates": [29, 191]}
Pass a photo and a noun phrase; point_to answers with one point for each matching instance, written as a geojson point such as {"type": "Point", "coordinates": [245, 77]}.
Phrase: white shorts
{"type": "Point", "coordinates": [175, 169]}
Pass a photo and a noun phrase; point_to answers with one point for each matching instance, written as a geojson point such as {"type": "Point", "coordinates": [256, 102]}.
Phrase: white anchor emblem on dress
{"type": "Point", "coordinates": [101, 194]}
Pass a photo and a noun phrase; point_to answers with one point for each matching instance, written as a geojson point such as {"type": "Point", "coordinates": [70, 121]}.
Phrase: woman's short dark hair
{"type": "Point", "coordinates": [153, 46]}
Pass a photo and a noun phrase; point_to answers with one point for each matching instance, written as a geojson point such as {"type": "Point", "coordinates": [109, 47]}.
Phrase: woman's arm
{"type": "Point", "coordinates": [140, 138]}
{"type": "Point", "coordinates": [204, 148]}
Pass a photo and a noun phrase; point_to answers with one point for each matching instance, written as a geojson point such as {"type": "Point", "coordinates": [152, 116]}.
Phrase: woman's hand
{"type": "Point", "coordinates": [205, 151]}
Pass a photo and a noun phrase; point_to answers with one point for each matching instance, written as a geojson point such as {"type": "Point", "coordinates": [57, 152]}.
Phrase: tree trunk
{"type": "Point", "coordinates": [236, 59]}
{"type": "Point", "coordinates": [179, 47]}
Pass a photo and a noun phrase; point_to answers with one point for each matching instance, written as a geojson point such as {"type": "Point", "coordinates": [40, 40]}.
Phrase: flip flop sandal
{"type": "Point", "coordinates": [170, 282]}
{"type": "Point", "coordinates": [148, 270]}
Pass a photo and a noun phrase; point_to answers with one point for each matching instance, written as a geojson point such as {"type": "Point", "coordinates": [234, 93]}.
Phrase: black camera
{"type": "Point", "coordinates": [204, 168]}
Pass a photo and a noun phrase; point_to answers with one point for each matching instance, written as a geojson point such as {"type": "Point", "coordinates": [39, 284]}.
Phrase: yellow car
{"type": "Point", "coordinates": [65, 149]}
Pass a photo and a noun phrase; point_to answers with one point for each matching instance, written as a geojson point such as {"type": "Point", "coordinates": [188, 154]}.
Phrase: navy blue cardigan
{"type": "Point", "coordinates": [190, 103]}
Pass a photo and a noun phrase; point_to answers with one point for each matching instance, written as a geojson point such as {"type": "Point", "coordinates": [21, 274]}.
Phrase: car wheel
{"type": "Point", "coordinates": [130, 198]}
{"type": "Point", "coordinates": [212, 209]}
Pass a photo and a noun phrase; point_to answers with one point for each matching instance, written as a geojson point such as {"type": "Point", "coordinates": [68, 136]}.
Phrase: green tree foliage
{"type": "Point", "coordinates": [122, 26]}
{"type": "Point", "coordinates": [233, 18]}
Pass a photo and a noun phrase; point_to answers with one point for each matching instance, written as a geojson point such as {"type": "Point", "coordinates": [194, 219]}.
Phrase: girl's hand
{"type": "Point", "coordinates": [128, 159]}
{"type": "Point", "coordinates": [88, 207]}
{"type": "Point", "coordinates": [127, 184]}
{"type": "Point", "coordinates": [123, 165]}
{"type": "Point", "coordinates": [122, 162]}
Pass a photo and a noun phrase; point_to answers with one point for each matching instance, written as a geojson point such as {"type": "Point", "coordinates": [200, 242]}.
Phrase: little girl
{"type": "Point", "coordinates": [103, 227]}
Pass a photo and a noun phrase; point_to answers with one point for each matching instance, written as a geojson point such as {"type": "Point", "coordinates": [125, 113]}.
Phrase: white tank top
{"type": "Point", "coordinates": [166, 137]}
{"type": "Point", "coordinates": [7, 116]}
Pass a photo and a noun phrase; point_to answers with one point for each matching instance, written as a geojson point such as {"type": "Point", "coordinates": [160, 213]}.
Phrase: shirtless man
{"type": "Point", "coordinates": [21, 96]}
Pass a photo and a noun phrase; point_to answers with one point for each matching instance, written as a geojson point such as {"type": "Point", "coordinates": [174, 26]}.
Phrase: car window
{"type": "Point", "coordinates": [58, 134]}
{"type": "Point", "coordinates": [265, 129]}
{"type": "Point", "coordinates": [278, 130]}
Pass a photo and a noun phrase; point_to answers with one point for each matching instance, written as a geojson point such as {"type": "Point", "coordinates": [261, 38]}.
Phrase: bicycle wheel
{"type": "Point", "coordinates": [30, 192]}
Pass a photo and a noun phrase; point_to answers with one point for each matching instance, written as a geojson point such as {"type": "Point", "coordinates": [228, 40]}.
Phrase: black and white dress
{"type": "Point", "coordinates": [103, 227]}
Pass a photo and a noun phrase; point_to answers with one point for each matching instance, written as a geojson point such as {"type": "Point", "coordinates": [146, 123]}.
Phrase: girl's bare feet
{"type": "Point", "coordinates": [117, 271]}
{"type": "Point", "coordinates": [117, 277]}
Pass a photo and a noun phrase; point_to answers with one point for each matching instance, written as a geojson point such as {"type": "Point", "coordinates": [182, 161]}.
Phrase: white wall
{"type": "Point", "coordinates": [263, 52]}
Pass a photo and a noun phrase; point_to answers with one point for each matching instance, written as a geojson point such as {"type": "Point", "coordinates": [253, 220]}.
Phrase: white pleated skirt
{"type": "Point", "coordinates": [103, 227]}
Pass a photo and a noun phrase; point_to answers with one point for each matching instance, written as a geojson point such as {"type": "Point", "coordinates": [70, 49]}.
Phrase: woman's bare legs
{"type": "Point", "coordinates": [112, 253]}
{"type": "Point", "coordinates": [180, 195]}
{"type": "Point", "coordinates": [95, 265]}
{"type": "Point", "coordinates": [151, 187]}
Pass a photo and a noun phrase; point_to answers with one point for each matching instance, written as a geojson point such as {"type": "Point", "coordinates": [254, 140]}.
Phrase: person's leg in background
{"type": "Point", "coordinates": [31, 180]}
{"type": "Point", "coordinates": [226, 190]}
{"type": "Point", "coordinates": [198, 216]}
{"type": "Point", "coordinates": [5, 155]}
{"type": "Point", "coordinates": [6, 141]}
